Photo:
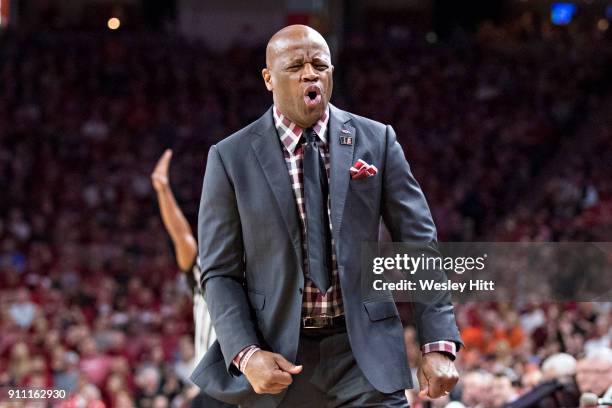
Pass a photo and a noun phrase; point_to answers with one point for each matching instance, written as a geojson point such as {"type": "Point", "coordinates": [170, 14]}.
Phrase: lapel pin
{"type": "Point", "coordinates": [346, 138]}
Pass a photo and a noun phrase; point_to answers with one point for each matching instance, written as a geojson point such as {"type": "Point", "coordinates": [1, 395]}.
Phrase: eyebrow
{"type": "Point", "coordinates": [300, 60]}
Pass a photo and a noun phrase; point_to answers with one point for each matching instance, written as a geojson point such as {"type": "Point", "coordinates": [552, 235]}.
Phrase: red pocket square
{"type": "Point", "coordinates": [361, 170]}
{"type": "Point", "coordinates": [361, 174]}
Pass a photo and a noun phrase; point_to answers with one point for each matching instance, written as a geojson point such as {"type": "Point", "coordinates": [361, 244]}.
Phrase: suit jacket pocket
{"type": "Point", "coordinates": [381, 309]}
{"type": "Point", "coordinates": [364, 184]}
{"type": "Point", "coordinates": [257, 300]}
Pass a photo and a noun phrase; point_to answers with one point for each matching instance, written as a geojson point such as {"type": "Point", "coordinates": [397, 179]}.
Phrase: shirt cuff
{"type": "Point", "coordinates": [242, 358]}
{"type": "Point", "coordinates": [447, 347]}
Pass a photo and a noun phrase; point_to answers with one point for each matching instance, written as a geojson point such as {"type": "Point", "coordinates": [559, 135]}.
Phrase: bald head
{"type": "Point", "coordinates": [288, 37]}
{"type": "Point", "coordinates": [299, 72]}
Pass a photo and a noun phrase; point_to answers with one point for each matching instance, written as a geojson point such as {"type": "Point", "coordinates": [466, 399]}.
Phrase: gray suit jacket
{"type": "Point", "coordinates": [251, 252]}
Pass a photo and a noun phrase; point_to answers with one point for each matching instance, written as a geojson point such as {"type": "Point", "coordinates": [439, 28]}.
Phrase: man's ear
{"type": "Point", "coordinates": [267, 77]}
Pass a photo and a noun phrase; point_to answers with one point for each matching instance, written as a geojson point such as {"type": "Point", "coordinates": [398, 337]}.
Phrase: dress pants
{"type": "Point", "coordinates": [330, 377]}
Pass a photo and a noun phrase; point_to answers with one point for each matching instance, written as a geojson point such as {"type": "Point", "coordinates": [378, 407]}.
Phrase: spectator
{"type": "Point", "coordinates": [502, 391]}
{"type": "Point", "coordinates": [477, 389]}
{"type": "Point", "coordinates": [185, 364]}
{"type": "Point", "coordinates": [148, 382]}
{"type": "Point", "coordinates": [594, 372]}
{"type": "Point", "coordinates": [23, 311]}
{"type": "Point", "coordinates": [95, 365]}
{"type": "Point", "coordinates": [559, 366]}
{"type": "Point", "coordinates": [64, 366]}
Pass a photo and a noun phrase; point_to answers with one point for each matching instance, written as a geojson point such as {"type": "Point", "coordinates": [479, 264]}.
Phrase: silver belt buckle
{"type": "Point", "coordinates": [316, 322]}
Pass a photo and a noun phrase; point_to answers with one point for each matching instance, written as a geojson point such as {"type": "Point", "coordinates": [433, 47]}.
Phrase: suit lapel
{"type": "Point", "coordinates": [267, 149]}
{"type": "Point", "coordinates": [341, 159]}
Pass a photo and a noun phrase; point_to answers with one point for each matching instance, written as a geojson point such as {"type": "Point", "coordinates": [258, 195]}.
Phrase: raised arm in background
{"type": "Point", "coordinates": [185, 246]}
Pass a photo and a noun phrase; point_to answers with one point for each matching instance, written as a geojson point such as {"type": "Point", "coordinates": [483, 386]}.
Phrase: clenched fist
{"type": "Point", "coordinates": [437, 375]}
{"type": "Point", "coordinates": [270, 373]}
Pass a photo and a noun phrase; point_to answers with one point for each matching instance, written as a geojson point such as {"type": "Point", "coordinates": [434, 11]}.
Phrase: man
{"type": "Point", "coordinates": [185, 249]}
{"type": "Point", "coordinates": [594, 372]}
{"type": "Point", "coordinates": [284, 211]}
{"type": "Point", "coordinates": [559, 366]}
{"type": "Point", "coordinates": [477, 389]}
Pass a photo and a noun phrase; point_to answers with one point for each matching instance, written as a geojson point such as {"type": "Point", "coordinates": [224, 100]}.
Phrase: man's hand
{"type": "Point", "coordinates": [437, 375]}
{"type": "Point", "coordinates": [270, 373]}
{"type": "Point", "coordinates": [159, 177]}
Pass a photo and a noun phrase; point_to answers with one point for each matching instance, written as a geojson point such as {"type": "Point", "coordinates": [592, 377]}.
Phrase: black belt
{"type": "Point", "coordinates": [323, 322]}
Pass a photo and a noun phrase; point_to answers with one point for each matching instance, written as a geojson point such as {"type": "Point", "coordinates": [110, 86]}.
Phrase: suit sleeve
{"type": "Point", "coordinates": [221, 258]}
{"type": "Point", "coordinates": [407, 216]}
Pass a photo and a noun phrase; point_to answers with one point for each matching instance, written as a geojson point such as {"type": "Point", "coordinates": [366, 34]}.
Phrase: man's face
{"type": "Point", "coordinates": [299, 74]}
{"type": "Point", "coordinates": [477, 389]}
{"type": "Point", "coordinates": [501, 391]}
{"type": "Point", "coordinates": [594, 376]}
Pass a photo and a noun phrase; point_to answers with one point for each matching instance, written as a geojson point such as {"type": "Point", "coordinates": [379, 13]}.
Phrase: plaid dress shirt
{"type": "Point", "coordinates": [314, 302]}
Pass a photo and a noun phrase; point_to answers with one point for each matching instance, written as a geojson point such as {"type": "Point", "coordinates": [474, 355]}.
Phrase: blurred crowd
{"type": "Point", "coordinates": [555, 351]}
{"type": "Point", "coordinates": [482, 116]}
{"type": "Point", "coordinates": [507, 130]}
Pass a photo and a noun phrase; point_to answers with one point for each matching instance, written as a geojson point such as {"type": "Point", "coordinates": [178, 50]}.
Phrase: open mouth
{"type": "Point", "coordinates": [312, 96]}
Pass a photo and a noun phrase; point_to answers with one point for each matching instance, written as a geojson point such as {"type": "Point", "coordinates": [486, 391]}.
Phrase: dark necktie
{"type": "Point", "coordinates": [317, 220]}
